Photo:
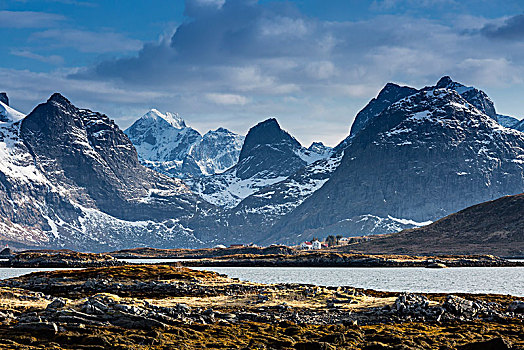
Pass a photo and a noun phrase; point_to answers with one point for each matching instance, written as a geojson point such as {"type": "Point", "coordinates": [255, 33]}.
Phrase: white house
{"type": "Point", "coordinates": [316, 245]}
{"type": "Point", "coordinates": [306, 245]}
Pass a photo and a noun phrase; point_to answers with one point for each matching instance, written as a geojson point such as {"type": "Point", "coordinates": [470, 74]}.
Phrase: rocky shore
{"type": "Point", "coordinates": [156, 253]}
{"type": "Point", "coordinates": [164, 307]}
{"type": "Point", "coordinates": [275, 256]}
{"type": "Point", "coordinates": [335, 259]}
{"type": "Point", "coordinates": [58, 258]}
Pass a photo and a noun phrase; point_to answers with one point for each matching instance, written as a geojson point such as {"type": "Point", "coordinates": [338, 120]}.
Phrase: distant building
{"type": "Point", "coordinates": [316, 245]}
{"type": "Point", "coordinates": [236, 246]}
{"type": "Point", "coordinates": [306, 245]}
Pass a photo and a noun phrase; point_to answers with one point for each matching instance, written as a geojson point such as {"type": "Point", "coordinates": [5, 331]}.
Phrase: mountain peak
{"type": "Point", "coordinates": [171, 118]}
{"type": "Point", "coordinates": [476, 97]}
{"type": "Point", "coordinates": [388, 89]}
{"type": "Point", "coordinates": [444, 82]}
{"type": "Point", "coordinates": [265, 132]}
{"type": "Point", "coordinates": [266, 141]}
{"type": "Point", "coordinates": [389, 94]}
{"type": "Point", "coordinates": [59, 98]}
{"type": "Point", "coordinates": [4, 99]}
{"type": "Point", "coordinates": [268, 123]}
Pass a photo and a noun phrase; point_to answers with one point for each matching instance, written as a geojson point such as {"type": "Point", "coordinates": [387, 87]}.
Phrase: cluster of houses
{"type": "Point", "coordinates": [315, 244]}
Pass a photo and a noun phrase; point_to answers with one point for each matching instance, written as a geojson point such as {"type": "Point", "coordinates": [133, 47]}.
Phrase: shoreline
{"type": "Point", "coordinates": [163, 306]}
{"type": "Point", "coordinates": [61, 259]}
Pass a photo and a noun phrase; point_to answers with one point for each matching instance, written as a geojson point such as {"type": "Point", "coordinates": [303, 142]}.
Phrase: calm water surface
{"type": "Point", "coordinates": [498, 280]}
{"type": "Point", "coordinates": [152, 261]}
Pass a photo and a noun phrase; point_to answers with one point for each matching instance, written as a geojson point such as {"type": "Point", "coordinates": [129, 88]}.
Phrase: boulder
{"type": "Point", "coordinates": [461, 307]}
{"type": "Point", "coordinates": [516, 306]}
{"type": "Point", "coordinates": [58, 303]}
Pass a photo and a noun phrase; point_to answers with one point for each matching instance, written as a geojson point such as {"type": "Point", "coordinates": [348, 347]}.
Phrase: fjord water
{"type": "Point", "coordinates": [490, 280]}
{"type": "Point", "coordinates": [495, 280]}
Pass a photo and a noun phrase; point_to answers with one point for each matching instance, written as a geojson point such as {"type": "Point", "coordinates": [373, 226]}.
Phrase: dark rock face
{"type": "Point", "coordinates": [269, 155]}
{"type": "Point", "coordinates": [390, 94]}
{"type": "Point", "coordinates": [86, 186]}
{"type": "Point", "coordinates": [424, 157]}
{"type": "Point", "coordinates": [84, 149]}
{"type": "Point", "coordinates": [519, 126]}
{"type": "Point", "coordinates": [4, 99]}
{"type": "Point", "coordinates": [269, 149]}
{"type": "Point", "coordinates": [507, 121]}
{"type": "Point", "coordinates": [476, 97]}
{"type": "Point", "coordinates": [6, 252]}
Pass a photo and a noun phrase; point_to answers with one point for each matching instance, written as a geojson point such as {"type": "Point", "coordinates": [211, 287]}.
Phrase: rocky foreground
{"type": "Point", "coordinates": [168, 307]}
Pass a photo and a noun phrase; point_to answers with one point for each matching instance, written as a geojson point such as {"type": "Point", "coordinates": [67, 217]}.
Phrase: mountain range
{"type": "Point", "coordinates": [166, 144]}
{"type": "Point", "coordinates": [69, 177]}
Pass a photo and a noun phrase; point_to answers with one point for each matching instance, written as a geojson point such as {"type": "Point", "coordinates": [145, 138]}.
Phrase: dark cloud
{"type": "Point", "coordinates": [511, 29]}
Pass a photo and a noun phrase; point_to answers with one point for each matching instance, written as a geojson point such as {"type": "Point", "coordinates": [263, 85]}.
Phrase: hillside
{"type": "Point", "coordinates": [494, 227]}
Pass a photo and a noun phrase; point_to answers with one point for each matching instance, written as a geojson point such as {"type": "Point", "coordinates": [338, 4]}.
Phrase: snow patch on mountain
{"type": "Point", "coordinates": [227, 190]}
{"type": "Point", "coordinates": [166, 144]}
{"type": "Point", "coordinates": [15, 161]}
{"type": "Point", "coordinates": [8, 114]}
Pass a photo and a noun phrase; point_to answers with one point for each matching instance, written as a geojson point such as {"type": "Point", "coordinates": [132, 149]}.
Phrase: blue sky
{"type": "Point", "coordinates": [312, 64]}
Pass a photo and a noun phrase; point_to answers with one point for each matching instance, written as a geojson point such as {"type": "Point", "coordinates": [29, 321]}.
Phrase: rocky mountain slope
{"type": "Point", "coordinates": [70, 177]}
{"type": "Point", "coordinates": [494, 227]}
{"type": "Point", "coordinates": [269, 155]}
{"type": "Point", "coordinates": [507, 121]}
{"type": "Point", "coordinates": [166, 144]}
{"type": "Point", "coordinates": [519, 126]}
{"type": "Point", "coordinates": [423, 157]}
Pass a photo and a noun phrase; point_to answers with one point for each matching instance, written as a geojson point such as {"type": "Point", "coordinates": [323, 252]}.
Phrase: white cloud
{"type": "Point", "coordinates": [28, 19]}
{"type": "Point", "coordinates": [227, 99]}
{"type": "Point", "coordinates": [320, 70]}
{"type": "Point", "coordinates": [52, 59]}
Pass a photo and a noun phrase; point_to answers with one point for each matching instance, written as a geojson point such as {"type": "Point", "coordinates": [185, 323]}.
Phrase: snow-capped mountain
{"type": "Point", "coordinates": [519, 126]}
{"type": "Point", "coordinates": [71, 178]}
{"type": "Point", "coordinates": [217, 151]}
{"type": "Point", "coordinates": [166, 144]}
{"type": "Point", "coordinates": [423, 157]}
{"type": "Point", "coordinates": [507, 121]}
{"type": "Point", "coordinates": [269, 155]}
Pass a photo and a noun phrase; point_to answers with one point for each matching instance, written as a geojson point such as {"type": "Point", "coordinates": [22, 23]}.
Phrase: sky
{"type": "Point", "coordinates": [312, 64]}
